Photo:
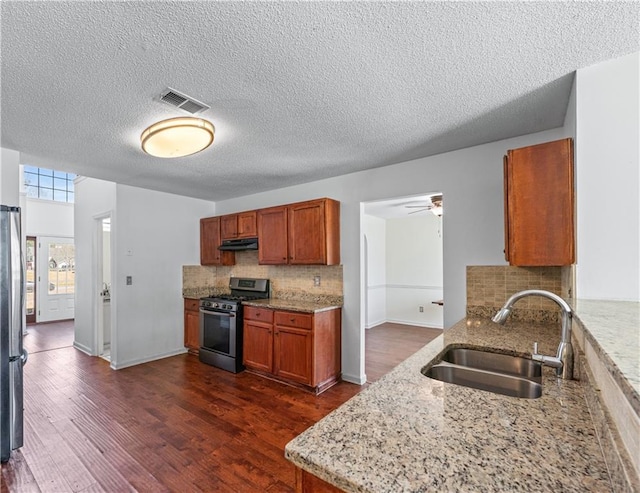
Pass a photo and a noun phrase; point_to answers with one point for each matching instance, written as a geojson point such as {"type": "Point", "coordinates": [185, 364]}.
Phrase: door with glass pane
{"type": "Point", "coordinates": [30, 278]}
{"type": "Point", "coordinates": [56, 279]}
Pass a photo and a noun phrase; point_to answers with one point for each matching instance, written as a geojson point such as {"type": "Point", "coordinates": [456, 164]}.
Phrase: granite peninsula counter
{"type": "Point", "coordinates": [409, 433]}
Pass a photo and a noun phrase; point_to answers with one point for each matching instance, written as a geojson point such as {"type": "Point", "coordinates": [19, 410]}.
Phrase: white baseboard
{"type": "Point", "coordinates": [374, 324]}
{"type": "Point", "coordinates": [83, 348]}
{"type": "Point", "coordinates": [417, 324]}
{"type": "Point", "coordinates": [354, 379]}
{"type": "Point", "coordinates": [139, 361]}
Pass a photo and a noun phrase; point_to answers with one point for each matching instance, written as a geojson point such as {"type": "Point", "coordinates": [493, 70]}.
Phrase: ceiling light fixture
{"type": "Point", "coordinates": [177, 137]}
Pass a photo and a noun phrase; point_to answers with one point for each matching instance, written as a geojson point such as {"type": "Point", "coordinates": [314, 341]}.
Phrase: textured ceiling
{"type": "Point", "coordinates": [298, 90]}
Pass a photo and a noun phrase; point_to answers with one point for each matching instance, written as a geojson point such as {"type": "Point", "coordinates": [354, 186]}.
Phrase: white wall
{"type": "Point", "coordinates": [374, 229]}
{"type": "Point", "coordinates": [92, 198]}
{"type": "Point", "coordinates": [156, 234]}
{"type": "Point", "coordinates": [414, 270]}
{"type": "Point", "coordinates": [153, 234]}
{"type": "Point", "coordinates": [608, 180]}
{"type": "Point", "coordinates": [471, 181]}
{"type": "Point", "coordinates": [49, 218]}
{"type": "Point", "coordinates": [106, 257]}
{"type": "Point", "coordinates": [9, 177]}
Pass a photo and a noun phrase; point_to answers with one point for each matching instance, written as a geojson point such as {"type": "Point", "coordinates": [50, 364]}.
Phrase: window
{"type": "Point", "coordinates": [47, 184]}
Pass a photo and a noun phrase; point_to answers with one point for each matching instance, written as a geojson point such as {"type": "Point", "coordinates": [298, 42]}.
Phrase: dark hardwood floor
{"type": "Point", "coordinates": [169, 425]}
{"type": "Point", "coordinates": [388, 344]}
{"type": "Point", "coordinates": [48, 336]}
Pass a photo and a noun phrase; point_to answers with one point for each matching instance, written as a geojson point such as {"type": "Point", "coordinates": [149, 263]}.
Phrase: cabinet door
{"type": "Point", "coordinates": [229, 227]}
{"type": "Point", "coordinates": [272, 236]}
{"type": "Point", "coordinates": [258, 346]}
{"type": "Point", "coordinates": [540, 205]}
{"type": "Point", "coordinates": [191, 325]}
{"type": "Point", "coordinates": [247, 224]}
{"type": "Point", "coordinates": [209, 243]}
{"type": "Point", "coordinates": [293, 354]}
{"type": "Point", "coordinates": [307, 240]}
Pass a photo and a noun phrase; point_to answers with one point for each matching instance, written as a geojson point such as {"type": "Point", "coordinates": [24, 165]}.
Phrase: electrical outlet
{"type": "Point", "coordinates": [129, 280]}
{"type": "Point", "coordinates": [316, 280]}
{"type": "Point", "coordinates": [421, 309]}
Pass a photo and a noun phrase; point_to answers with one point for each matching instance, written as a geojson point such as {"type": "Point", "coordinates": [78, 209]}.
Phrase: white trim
{"type": "Point", "coordinates": [375, 323]}
{"type": "Point", "coordinates": [83, 348]}
{"type": "Point", "coordinates": [353, 379]}
{"type": "Point", "coordinates": [417, 324]}
{"type": "Point", "coordinates": [139, 361]}
{"type": "Point", "coordinates": [377, 286]}
{"type": "Point", "coordinates": [49, 201]}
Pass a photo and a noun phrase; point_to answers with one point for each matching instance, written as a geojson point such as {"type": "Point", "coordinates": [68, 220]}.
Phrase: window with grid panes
{"type": "Point", "coordinates": [48, 184]}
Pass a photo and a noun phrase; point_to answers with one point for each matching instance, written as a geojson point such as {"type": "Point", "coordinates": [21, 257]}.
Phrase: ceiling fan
{"type": "Point", "coordinates": [435, 206]}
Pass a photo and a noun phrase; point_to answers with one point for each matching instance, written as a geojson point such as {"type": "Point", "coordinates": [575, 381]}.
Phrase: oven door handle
{"type": "Point", "coordinates": [216, 312]}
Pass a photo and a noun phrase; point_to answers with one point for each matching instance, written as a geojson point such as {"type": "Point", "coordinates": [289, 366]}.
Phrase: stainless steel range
{"type": "Point", "coordinates": [221, 323]}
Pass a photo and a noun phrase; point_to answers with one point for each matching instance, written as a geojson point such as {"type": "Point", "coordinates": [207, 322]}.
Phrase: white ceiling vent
{"type": "Point", "coordinates": [182, 101]}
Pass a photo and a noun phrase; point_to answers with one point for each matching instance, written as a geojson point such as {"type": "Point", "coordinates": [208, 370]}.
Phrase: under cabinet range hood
{"type": "Point", "coordinates": [240, 244]}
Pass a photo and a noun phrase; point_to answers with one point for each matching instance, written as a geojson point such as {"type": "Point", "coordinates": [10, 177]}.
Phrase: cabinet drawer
{"type": "Point", "coordinates": [261, 314]}
{"type": "Point", "coordinates": [293, 319]}
{"type": "Point", "coordinates": [191, 304]}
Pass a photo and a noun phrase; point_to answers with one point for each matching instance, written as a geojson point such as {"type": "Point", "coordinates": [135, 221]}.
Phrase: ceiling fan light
{"type": "Point", "coordinates": [177, 137]}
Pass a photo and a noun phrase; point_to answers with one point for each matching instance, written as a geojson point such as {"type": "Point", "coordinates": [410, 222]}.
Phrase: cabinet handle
{"type": "Point", "coordinates": [292, 320]}
{"type": "Point", "coordinates": [258, 314]}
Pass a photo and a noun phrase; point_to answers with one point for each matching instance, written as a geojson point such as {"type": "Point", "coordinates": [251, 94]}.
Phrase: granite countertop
{"type": "Point", "coordinates": [613, 328]}
{"type": "Point", "coordinates": [410, 433]}
{"type": "Point", "coordinates": [303, 306]}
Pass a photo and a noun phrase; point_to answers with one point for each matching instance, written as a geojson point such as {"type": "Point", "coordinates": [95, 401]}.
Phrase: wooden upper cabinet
{"type": "Point", "coordinates": [314, 232]}
{"type": "Point", "coordinates": [210, 239]}
{"type": "Point", "coordinates": [301, 233]}
{"type": "Point", "coordinates": [241, 225]}
{"type": "Point", "coordinates": [272, 236]}
{"type": "Point", "coordinates": [229, 227]}
{"type": "Point", "coordinates": [539, 205]}
{"type": "Point", "coordinates": [247, 224]}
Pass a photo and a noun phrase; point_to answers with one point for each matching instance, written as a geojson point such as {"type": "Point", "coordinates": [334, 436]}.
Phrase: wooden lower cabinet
{"type": "Point", "coordinates": [292, 354]}
{"type": "Point", "coordinates": [301, 349]}
{"type": "Point", "coordinates": [308, 483]}
{"type": "Point", "coordinates": [192, 325]}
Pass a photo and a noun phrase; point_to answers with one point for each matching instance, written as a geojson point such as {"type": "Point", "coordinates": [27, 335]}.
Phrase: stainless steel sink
{"type": "Point", "coordinates": [498, 362]}
{"type": "Point", "coordinates": [484, 370]}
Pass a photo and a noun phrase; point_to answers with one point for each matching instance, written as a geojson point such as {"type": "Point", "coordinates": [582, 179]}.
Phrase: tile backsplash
{"type": "Point", "coordinates": [287, 281]}
{"type": "Point", "coordinates": [489, 287]}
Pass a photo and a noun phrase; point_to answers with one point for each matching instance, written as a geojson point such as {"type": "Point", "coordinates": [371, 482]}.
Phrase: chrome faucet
{"type": "Point", "coordinates": [563, 360]}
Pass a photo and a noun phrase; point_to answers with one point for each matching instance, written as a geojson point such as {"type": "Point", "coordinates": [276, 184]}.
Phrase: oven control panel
{"type": "Point", "coordinates": [217, 305]}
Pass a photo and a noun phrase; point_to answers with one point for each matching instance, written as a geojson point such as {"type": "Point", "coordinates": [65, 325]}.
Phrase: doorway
{"type": "Point", "coordinates": [103, 299]}
{"type": "Point", "coordinates": [56, 279]}
{"type": "Point", "coordinates": [30, 279]}
{"type": "Point", "coordinates": [402, 265]}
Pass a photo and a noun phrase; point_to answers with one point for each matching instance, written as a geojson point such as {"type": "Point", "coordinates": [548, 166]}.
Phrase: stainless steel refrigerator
{"type": "Point", "coordinates": [12, 355]}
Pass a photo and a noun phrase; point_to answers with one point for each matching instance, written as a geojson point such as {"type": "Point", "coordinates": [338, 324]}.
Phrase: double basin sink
{"type": "Point", "coordinates": [486, 370]}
